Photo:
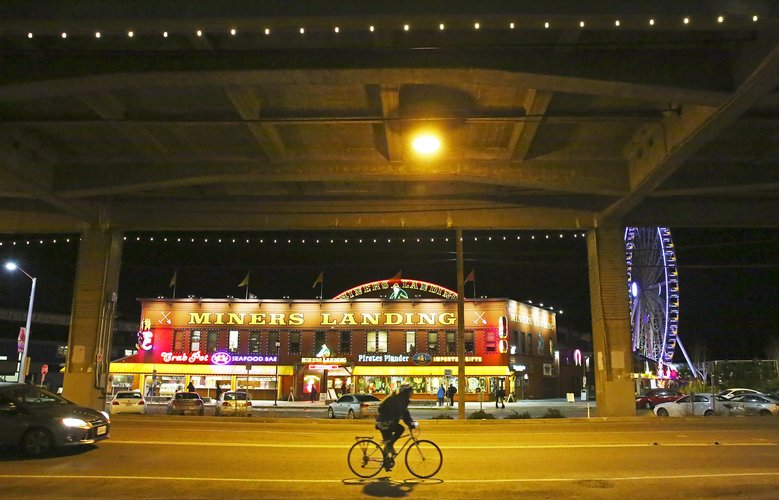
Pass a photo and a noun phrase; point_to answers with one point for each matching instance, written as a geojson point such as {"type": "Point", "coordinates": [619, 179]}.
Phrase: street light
{"type": "Point", "coordinates": [276, 392]}
{"type": "Point", "coordinates": [11, 266]}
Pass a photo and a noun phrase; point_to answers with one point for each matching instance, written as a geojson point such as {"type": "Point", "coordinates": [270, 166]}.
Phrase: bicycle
{"type": "Point", "coordinates": [423, 457]}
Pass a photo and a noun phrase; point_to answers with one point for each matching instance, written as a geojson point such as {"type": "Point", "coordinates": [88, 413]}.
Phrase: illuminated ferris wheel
{"type": "Point", "coordinates": [653, 287]}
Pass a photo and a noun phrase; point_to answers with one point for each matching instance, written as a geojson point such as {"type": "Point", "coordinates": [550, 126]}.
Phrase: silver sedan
{"type": "Point", "coordinates": [354, 406]}
{"type": "Point", "coordinates": [752, 404]}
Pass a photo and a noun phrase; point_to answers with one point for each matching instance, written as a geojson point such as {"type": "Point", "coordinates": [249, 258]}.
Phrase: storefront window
{"type": "Point", "coordinates": [469, 345]}
{"type": "Point", "coordinates": [411, 342]}
{"type": "Point", "coordinates": [451, 343]}
{"type": "Point", "coordinates": [178, 340]}
{"type": "Point", "coordinates": [294, 342]}
{"type": "Point", "coordinates": [489, 341]}
{"type": "Point", "coordinates": [432, 342]}
{"type": "Point", "coordinates": [320, 339]}
{"type": "Point", "coordinates": [194, 341]}
{"type": "Point", "coordinates": [212, 341]}
{"type": "Point", "coordinates": [377, 341]}
{"type": "Point", "coordinates": [254, 342]}
{"type": "Point", "coordinates": [122, 383]}
{"type": "Point", "coordinates": [232, 343]}
{"type": "Point", "coordinates": [273, 337]}
{"type": "Point", "coordinates": [345, 346]}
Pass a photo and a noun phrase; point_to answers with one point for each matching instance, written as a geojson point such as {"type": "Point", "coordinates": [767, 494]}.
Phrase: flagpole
{"type": "Point", "coordinates": [321, 290]}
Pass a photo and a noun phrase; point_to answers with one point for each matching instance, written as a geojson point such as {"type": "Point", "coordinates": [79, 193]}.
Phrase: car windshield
{"type": "Point", "coordinates": [128, 395]}
{"type": "Point", "coordinates": [365, 398]}
{"type": "Point", "coordinates": [235, 396]}
{"type": "Point", "coordinates": [187, 395]}
{"type": "Point", "coordinates": [27, 395]}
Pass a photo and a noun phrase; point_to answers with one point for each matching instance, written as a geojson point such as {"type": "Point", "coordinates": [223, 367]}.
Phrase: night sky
{"type": "Point", "coordinates": [728, 278]}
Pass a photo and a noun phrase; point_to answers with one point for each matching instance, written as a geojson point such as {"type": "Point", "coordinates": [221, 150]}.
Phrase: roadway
{"type": "Point", "coordinates": [208, 457]}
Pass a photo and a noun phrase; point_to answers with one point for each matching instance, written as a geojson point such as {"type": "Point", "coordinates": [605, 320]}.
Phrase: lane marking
{"type": "Point", "coordinates": [336, 481]}
{"type": "Point", "coordinates": [443, 447]}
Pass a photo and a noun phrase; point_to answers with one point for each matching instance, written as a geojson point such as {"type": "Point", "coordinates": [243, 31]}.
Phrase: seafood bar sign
{"type": "Point", "coordinates": [217, 358]}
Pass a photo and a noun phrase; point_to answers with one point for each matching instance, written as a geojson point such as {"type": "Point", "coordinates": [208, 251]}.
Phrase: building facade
{"type": "Point", "coordinates": [287, 349]}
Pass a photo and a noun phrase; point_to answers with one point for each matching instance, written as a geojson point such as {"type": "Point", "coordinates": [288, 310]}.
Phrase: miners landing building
{"type": "Point", "coordinates": [372, 338]}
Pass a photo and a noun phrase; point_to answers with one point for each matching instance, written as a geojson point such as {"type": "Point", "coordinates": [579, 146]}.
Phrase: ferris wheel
{"type": "Point", "coordinates": [653, 288]}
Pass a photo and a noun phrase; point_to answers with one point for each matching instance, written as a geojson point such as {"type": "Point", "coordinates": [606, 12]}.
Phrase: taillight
{"type": "Point", "coordinates": [115, 402]}
{"type": "Point", "coordinates": [363, 405]}
{"type": "Point", "coordinates": [141, 402]}
{"type": "Point", "coordinates": [226, 403]}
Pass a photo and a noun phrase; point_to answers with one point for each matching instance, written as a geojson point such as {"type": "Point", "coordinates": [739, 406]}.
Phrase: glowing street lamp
{"type": "Point", "coordinates": [426, 144]}
{"type": "Point", "coordinates": [11, 266]}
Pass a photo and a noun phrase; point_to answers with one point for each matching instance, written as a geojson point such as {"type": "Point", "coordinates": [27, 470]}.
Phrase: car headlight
{"type": "Point", "coordinates": [105, 414]}
{"type": "Point", "coordinates": [73, 422]}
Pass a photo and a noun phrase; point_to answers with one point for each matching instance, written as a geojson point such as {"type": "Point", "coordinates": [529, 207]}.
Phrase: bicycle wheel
{"type": "Point", "coordinates": [424, 458]}
{"type": "Point", "coordinates": [365, 458]}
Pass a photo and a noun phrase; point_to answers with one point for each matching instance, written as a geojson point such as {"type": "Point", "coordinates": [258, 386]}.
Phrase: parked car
{"type": "Point", "coordinates": [705, 404]}
{"type": "Point", "coordinates": [186, 403]}
{"type": "Point", "coordinates": [654, 397]}
{"type": "Point", "coordinates": [752, 404]}
{"type": "Point", "coordinates": [732, 393]}
{"type": "Point", "coordinates": [354, 406]}
{"type": "Point", "coordinates": [234, 403]}
{"type": "Point", "coordinates": [128, 402]}
{"type": "Point", "coordinates": [38, 421]}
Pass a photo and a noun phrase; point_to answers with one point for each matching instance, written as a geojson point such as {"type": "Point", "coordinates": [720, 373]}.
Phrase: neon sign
{"type": "Point", "coordinates": [195, 357]}
{"type": "Point", "coordinates": [145, 340]}
{"type": "Point", "coordinates": [225, 358]}
{"type": "Point", "coordinates": [399, 289]}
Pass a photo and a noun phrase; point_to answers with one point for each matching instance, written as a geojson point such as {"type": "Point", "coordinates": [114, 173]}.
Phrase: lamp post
{"type": "Point", "coordinates": [23, 360]}
{"type": "Point", "coordinates": [276, 392]}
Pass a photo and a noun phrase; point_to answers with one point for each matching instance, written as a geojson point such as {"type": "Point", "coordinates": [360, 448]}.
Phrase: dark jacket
{"type": "Point", "coordinates": [394, 408]}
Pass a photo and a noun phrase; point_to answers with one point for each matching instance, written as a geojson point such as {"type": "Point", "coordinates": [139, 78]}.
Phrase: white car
{"type": "Point", "coordinates": [234, 403]}
{"type": "Point", "coordinates": [705, 404]}
{"type": "Point", "coordinates": [738, 391]}
{"type": "Point", "coordinates": [128, 402]}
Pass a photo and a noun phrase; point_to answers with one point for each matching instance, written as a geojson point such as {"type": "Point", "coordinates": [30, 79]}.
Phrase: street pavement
{"type": "Point", "coordinates": [299, 458]}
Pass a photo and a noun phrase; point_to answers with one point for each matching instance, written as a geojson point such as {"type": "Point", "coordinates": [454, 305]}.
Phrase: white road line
{"type": "Point", "coordinates": [335, 481]}
{"type": "Point", "coordinates": [443, 447]}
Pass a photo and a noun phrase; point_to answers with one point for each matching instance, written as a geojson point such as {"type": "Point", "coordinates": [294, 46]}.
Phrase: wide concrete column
{"type": "Point", "coordinates": [611, 337]}
{"type": "Point", "coordinates": [92, 315]}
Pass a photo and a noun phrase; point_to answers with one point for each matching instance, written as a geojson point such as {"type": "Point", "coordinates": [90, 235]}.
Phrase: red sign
{"type": "Point", "coordinates": [44, 369]}
{"type": "Point", "coordinates": [20, 340]}
{"type": "Point", "coordinates": [323, 367]}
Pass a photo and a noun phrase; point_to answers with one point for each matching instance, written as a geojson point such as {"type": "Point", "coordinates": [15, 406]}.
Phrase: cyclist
{"type": "Point", "coordinates": [391, 411]}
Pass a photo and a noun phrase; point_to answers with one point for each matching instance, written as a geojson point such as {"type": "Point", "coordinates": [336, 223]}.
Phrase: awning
{"type": "Point", "coordinates": [431, 371]}
{"type": "Point", "coordinates": [180, 369]}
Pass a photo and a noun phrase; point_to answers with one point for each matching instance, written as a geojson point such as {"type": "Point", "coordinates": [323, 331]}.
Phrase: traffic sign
{"type": "Point", "coordinates": [44, 369]}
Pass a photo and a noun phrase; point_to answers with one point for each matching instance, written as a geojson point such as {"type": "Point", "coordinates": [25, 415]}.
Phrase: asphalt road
{"type": "Point", "coordinates": [208, 457]}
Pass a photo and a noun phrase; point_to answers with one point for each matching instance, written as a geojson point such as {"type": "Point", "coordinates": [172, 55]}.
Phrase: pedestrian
{"type": "Point", "coordinates": [191, 387]}
{"type": "Point", "coordinates": [441, 394]}
{"type": "Point", "coordinates": [218, 391]}
{"type": "Point", "coordinates": [500, 395]}
{"type": "Point", "coordinates": [314, 393]}
{"type": "Point", "coordinates": [450, 392]}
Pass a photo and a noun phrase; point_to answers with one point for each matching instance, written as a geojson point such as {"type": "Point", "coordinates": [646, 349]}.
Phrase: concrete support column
{"type": "Point", "coordinates": [92, 315]}
{"type": "Point", "coordinates": [611, 338]}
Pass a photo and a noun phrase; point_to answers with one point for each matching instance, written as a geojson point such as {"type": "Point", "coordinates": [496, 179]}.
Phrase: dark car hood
{"type": "Point", "coordinates": [65, 411]}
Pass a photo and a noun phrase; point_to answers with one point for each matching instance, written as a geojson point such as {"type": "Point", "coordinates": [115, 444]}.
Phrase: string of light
{"type": "Point", "coordinates": [303, 241]}
{"type": "Point", "coordinates": [477, 25]}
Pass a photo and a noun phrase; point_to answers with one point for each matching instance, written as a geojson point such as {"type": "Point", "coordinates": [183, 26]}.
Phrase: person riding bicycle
{"type": "Point", "coordinates": [391, 411]}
